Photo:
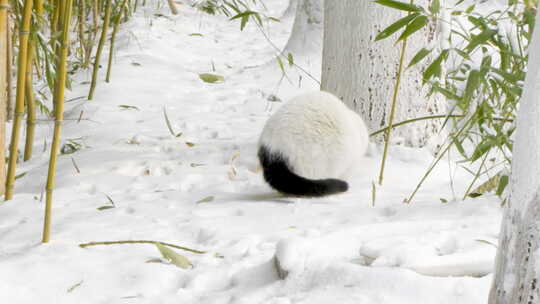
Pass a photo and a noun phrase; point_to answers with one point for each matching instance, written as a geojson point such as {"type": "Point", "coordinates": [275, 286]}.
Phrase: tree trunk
{"type": "Point", "coordinates": [307, 32]}
{"type": "Point", "coordinates": [517, 269]}
{"type": "Point", "coordinates": [363, 72]}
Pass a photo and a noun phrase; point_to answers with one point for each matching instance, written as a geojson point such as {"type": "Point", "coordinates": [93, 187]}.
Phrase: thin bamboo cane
{"type": "Point", "coordinates": [95, 15]}
{"type": "Point", "coordinates": [91, 36]}
{"type": "Point", "coordinates": [30, 103]}
{"type": "Point", "coordinates": [113, 37]}
{"type": "Point", "coordinates": [393, 105]}
{"type": "Point", "coordinates": [9, 68]}
{"type": "Point", "coordinates": [81, 14]}
{"type": "Point", "coordinates": [54, 19]}
{"type": "Point", "coordinates": [102, 41]}
{"type": "Point", "coordinates": [59, 117]}
{"type": "Point", "coordinates": [4, 6]}
{"type": "Point", "coordinates": [19, 103]}
{"type": "Point", "coordinates": [39, 9]}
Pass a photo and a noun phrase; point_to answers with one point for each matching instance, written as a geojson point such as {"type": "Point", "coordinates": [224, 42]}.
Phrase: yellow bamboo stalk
{"type": "Point", "coordinates": [54, 18]}
{"type": "Point", "coordinates": [39, 9]}
{"type": "Point", "coordinates": [9, 68]}
{"type": "Point", "coordinates": [121, 9]}
{"type": "Point", "coordinates": [95, 16]}
{"type": "Point", "coordinates": [4, 6]}
{"type": "Point", "coordinates": [102, 41]}
{"type": "Point", "coordinates": [60, 84]}
{"type": "Point", "coordinates": [393, 106]}
{"type": "Point", "coordinates": [19, 102]}
{"type": "Point", "coordinates": [60, 8]}
{"type": "Point", "coordinates": [38, 4]}
{"type": "Point", "coordinates": [30, 103]}
{"type": "Point", "coordinates": [91, 36]}
{"type": "Point", "coordinates": [81, 14]}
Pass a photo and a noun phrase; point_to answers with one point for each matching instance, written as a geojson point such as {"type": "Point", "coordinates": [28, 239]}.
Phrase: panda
{"type": "Point", "coordinates": [310, 144]}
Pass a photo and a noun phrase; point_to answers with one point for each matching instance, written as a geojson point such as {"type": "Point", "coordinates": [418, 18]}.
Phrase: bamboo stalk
{"type": "Point", "coordinates": [19, 103]}
{"type": "Point", "coordinates": [81, 14]}
{"type": "Point", "coordinates": [113, 37]}
{"type": "Point", "coordinates": [84, 245]}
{"type": "Point", "coordinates": [30, 103]}
{"type": "Point", "coordinates": [59, 117]}
{"type": "Point", "coordinates": [54, 20]}
{"type": "Point", "coordinates": [4, 6]}
{"type": "Point", "coordinates": [38, 4]}
{"type": "Point", "coordinates": [102, 41]}
{"type": "Point", "coordinates": [393, 106]}
{"type": "Point", "coordinates": [91, 35]}
{"type": "Point", "coordinates": [9, 68]}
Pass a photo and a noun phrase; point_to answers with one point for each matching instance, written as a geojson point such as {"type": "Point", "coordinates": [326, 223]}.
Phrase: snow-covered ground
{"type": "Point", "coordinates": [203, 190]}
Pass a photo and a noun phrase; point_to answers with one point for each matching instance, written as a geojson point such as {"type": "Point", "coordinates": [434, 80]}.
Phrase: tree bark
{"type": "Point", "coordinates": [363, 72]}
{"type": "Point", "coordinates": [517, 268]}
{"type": "Point", "coordinates": [307, 31]}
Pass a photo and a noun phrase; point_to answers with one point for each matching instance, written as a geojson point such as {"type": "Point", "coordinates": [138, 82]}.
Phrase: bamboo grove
{"type": "Point", "coordinates": [42, 43]}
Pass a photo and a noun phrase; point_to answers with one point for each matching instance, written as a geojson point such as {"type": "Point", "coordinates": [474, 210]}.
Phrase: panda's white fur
{"type": "Point", "coordinates": [317, 136]}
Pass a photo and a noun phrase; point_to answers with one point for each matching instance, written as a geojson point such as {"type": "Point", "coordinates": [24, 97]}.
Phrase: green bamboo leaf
{"type": "Point", "coordinates": [207, 199]}
{"type": "Point", "coordinates": [435, 7]}
{"type": "Point", "coordinates": [416, 25]}
{"type": "Point", "coordinates": [459, 147]}
{"type": "Point", "coordinates": [394, 27]}
{"type": "Point", "coordinates": [461, 53]}
{"type": "Point", "coordinates": [434, 69]}
{"type": "Point", "coordinates": [503, 182]}
{"type": "Point", "coordinates": [399, 5]}
{"type": "Point", "coordinates": [446, 92]}
{"type": "Point", "coordinates": [470, 9]}
{"type": "Point", "coordinates": [480, 150]}
{"type": "Point", "coordinates": [479, 39]}
{"type": "Point", "coordinates": [243, 22]}
{"type": "Point", "coordinates": [128, 107]}
{"type": "Point", "coordinates": [173, 257]}
{"type": "Point", "coordinates": [105, 208]}
{"type": "Point", "coordinates": [243, 14]}
{"type": "Point", "coordinates": [211, 78]}
{"type": "Point", "coordinates": [290, 59]}
{"type": "Point", "coordinates": [421, 54]}
{"type": "Point", "coordinates": [510, 77]}
{"type": "Point", "coordinates": [280, 63]}
{"type": "Point", "coordinates": [473, 82]}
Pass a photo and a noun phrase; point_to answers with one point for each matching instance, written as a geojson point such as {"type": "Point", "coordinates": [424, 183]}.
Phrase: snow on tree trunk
{"type": "Point", "coordinates": [517, 269]}
{"type": "Point", "coordinates": [290, 10]}
{"type": "Point", "coordinates": [305, 41]}
{"type": "Point", "coordinates": [307, 31]}
{"type": "Point", "coordinates": [362, 72]}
